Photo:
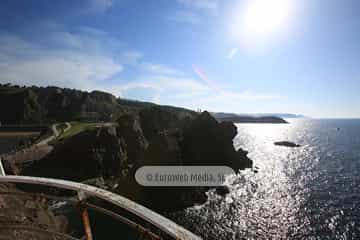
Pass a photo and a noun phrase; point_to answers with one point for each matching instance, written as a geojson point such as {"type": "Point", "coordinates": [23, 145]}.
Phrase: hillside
{"type": "Point", "coordinates": [30, 105]}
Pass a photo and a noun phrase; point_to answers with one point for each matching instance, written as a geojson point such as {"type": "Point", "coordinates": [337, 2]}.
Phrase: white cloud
{"type": "Point", "coordinates": [26, 63]}
{"type": "Point", "coordinates": [64, 70]}
{"type": "Point", "coordinates": [232, 53]}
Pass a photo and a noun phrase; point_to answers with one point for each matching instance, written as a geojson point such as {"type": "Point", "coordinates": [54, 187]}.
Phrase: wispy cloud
{"type": "Point", "coordinates": [99, 5]}
{"type": "Point", "coordinates": [60, 69]}
{"type": "Point", "coordinates": [193, 11]}
{"type": "Point", "coordinates": [222, 95]}
{"type": "Point", "coordinates": [163, 83]}
{"type": "Point", "coordinates": [232, 53]}
{"type": "Point", "coordinates": [68, 65]}
{"type": "Point", "coordinates": [160, 69]}
{"type": "Point", "coordinates": [209, 5]}
{"type": "Point", "coordinates": [92, 59]}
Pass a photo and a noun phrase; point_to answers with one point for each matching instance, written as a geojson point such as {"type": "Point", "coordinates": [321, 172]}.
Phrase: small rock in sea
{"type": "Point", "coordinates": [286, 144]}
{"type": "Point", "coordinates": [222, 190]}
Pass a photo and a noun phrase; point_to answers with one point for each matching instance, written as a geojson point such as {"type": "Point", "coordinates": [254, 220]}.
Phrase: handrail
{"type": "Point", "coordinates": [162, 223]}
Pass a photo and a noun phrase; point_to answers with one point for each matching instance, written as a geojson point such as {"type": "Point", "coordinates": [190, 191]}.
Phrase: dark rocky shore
{"type": "Point", "coordinates": [155, 136]}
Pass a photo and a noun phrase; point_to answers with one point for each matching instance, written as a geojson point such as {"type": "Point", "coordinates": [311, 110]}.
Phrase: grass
{"type": "Point", "coordinates": [76, 128]}
{"type": "Point", "coordinates": [60, 127]}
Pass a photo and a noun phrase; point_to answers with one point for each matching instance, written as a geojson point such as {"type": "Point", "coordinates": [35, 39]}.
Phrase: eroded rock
{"type": "Point", "coordinates": [286, 144]}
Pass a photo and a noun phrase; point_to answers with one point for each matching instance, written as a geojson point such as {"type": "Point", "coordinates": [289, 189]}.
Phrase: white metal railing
{"type": "Point", "coordinates": [160, 222]}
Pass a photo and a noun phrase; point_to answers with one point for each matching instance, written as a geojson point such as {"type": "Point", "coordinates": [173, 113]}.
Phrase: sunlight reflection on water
{"type": "Point", "coordinates": [289, 196]}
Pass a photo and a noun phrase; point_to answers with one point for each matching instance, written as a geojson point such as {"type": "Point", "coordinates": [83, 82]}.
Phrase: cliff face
{"type": "Point", "coordinates": [154, 137]}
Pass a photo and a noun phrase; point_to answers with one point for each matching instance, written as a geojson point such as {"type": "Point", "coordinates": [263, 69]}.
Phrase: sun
{"type": "Point", "coordinates": [266, 16]}
{"type": "Point", "coordinates": [255, 22]}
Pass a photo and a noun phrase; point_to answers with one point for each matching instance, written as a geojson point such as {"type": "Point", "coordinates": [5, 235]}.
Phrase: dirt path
{"type": "Point", "coordinates": [33, 153]}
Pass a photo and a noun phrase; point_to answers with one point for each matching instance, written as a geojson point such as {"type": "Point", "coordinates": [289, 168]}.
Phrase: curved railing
{"type": "Point", "coordinates": [163, 224]}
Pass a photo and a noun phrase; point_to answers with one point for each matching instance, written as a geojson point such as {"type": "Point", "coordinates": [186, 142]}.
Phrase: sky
{"type": "Point", "coordinates": [244, 56]}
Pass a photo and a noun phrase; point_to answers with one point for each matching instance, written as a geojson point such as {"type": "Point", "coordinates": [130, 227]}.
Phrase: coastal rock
{"type": "Point", "coordinates": [109, 152]}
{"type": "Point", "coordinates": [201, 141]}
{"type": "Point", "coordinates": [206, 142]}
{"type": "Point", "coordinates": [131, 132]}
{"type": "Point", "coordinates": [156, 119]}
{"type": "Point", "coordinates": [228, 129]}
{"type": "Point", "coordinates": [163, 149]}
{"type": "Point", "coordinates": [287, 144]}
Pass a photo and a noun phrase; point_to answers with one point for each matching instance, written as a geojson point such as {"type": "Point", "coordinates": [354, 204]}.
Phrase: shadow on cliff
{"type": "Point", "coordinates": [155, 136]}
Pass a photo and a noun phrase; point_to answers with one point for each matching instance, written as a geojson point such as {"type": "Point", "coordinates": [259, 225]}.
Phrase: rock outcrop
{"type": "Point", "coordinates": [131, 134]}
{"type": "Point", "coordinates": [155, 137]}
{"type": "Point", "coordinates": [207, 142]}
{"type": "Point", "coordinates": [286, 144]}
{"type": "Point", "coordinates": [156, 119]}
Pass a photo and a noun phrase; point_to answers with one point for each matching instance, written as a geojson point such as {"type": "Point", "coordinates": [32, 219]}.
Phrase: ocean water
{"type": "Point", "coordinates": [310, 192]}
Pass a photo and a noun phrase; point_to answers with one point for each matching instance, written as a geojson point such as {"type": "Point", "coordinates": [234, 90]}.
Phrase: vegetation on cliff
{"type": "Point", "coordinates": [237, 118]}
{"type": "Point", "coordinates": [24, 105]}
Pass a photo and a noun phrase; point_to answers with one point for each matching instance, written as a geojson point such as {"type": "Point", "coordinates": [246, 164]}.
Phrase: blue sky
{"type": "Point", "coordinates": [218, 55]}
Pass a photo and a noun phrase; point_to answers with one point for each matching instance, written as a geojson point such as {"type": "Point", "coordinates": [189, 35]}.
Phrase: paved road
{"type": "Point", "coordinates": [54, 135]}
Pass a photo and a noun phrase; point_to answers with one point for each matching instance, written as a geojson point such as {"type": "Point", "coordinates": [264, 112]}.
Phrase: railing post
{"type": "Point", "coordinates": [85, 216]}
{"type": "Point", "coordinates": [2, 171]}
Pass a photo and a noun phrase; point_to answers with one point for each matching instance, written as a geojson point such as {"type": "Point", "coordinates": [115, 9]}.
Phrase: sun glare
{"type": "Point", "coordinates": [260, 20]}
{"type": "Point", "coordinates": [264, 16]}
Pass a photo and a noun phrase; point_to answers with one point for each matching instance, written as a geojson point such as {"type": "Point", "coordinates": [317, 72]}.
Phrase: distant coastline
{"type": "Point", "coordinates": [235, 118]}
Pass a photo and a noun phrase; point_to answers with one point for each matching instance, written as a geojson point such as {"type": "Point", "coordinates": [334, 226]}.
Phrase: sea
{"type": "Point", "coordinates": [309, 192]}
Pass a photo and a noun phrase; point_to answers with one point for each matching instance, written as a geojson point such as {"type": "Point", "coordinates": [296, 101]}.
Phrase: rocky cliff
{"type": "Point", "coordinates": [155, 136]}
